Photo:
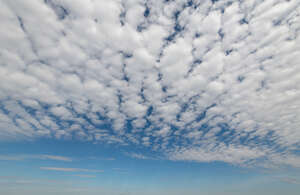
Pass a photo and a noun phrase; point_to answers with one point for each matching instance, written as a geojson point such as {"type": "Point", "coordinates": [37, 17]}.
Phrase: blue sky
{"type": "Point", "coordinates": [149, 97]}
{"type": "Point", "coordinates": [68, 167]}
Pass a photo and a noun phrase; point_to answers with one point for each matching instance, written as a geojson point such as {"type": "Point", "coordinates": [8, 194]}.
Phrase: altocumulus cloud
{"type": "Point", "coordinates": [196, 80]}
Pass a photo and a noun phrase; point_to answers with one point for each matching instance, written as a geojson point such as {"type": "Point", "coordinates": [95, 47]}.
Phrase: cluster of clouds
{"type": "Point", "coordinates": [196, 80]}
{"type": "Point", "coordinates": [47, 157]}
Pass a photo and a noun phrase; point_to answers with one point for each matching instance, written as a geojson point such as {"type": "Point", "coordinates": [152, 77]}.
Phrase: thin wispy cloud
{"type": "Point", "coordinates": [59, 158]}
{"type": "Point", "coordinates": [288, 179]}
{"type": "Point", "coordinates": [86, 176]}
{"type": "Point", "coordinates": [65, 169]}
{"type": "Point", "coordinates": [14, 158]}
{"type": "Point", "coordinates": [120, 170]}
{"type": "Point", "coordinates": [21, 157]}
{"type": "Point", "coordinates": [101, 158]}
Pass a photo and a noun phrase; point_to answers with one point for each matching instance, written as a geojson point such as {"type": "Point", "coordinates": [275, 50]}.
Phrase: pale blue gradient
{"type": "Point", "coordinates": [123, 174]}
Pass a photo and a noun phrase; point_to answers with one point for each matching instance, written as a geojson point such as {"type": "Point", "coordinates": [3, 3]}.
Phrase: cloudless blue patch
{"type": "Point", "coordinates": [59, 10]}
{"type": "Point", "coordinates": [21, 23]}
{"type": "Point", "coordinates": [227, 52]}
{"type": "Point", "coordinates": [146, 12]}
{"type": "Point", "coordinates": [221, 33]}
{"type": "Point", "coordinates": [241, 78]}
{"type": "Point", "coordinates": [243, 21]}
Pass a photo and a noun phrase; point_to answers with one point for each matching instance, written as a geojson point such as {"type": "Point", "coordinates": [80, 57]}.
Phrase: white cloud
{"type": "Point", "coordinates": [65, 169]}
{"type": "Point", "coordinates": [209, 153]}
{"type": "Point", "coordinates": [60, 158]}
{"type": "Point", "coordinates": [171, 79]}
{"type": "Point", "coordinates": [138, 156]}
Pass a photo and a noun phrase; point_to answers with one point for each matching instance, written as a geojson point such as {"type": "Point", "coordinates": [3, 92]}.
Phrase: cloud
{"type": "Point", "coordinates": [15, 158]}
{"type": "Point", "coordinates": [209, 81]}
{"type": "Point", "coordinates": [85, 176]}
{"type": "Point", "coordinates": [137, 156]}
{"type": "Point", "coordinates": [210, 153]}
{"type": "Point", "coordinates": [17, 181]}
{"type": "Point", "coordinates": [60, 158]}
{"type": "Point", "coordinates": [99, 158]}
{"type": "Point", "coordinates": [21, 157]}
{"type": "Point", "coordinates": [289, 180]}
{"type": "Point", "coordinates": [70, 169]}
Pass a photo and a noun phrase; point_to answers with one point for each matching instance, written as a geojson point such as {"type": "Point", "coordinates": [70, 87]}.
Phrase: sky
{"type": "Point", "coordinates": [149, 97]}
